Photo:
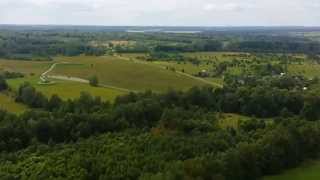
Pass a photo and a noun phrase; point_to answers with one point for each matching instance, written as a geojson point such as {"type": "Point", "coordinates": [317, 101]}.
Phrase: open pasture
{"type": "Point", "coordinates": [111, 71]}
{"type": "Point", "coordinates": [207, 61]}
{"type": "Point", "coordinates": [126, 74]}
{"type": "Point", "coordinates": [67, 89]}
{"type": "Point", "coordinates": [219, 56]}
{"type": "Point", "coordinates": [7, 103]}
{"type": "Point", "coordinates": [309, 70]}
{"type": "Point", "coordinates": [229, 120]}
{"type": "Point", "coordinates": [25, 67]}
{"type": "Point", "coordinates": [308, 171]}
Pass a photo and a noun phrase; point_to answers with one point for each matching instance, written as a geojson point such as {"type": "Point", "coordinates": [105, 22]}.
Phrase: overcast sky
{"type": "Point", "coordinates": [162, 12]}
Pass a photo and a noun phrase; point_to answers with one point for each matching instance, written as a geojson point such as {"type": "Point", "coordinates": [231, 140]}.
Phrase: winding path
{"type": "Point", "coordinates": [44, 78]}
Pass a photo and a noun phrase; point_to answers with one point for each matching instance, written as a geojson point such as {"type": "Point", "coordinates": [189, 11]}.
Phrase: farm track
{"type": "Point", "coordinates": [45, 75]}
{"type": "Point", "coordinates": [178, 72]}
{"type": "Point", "coordinates": [76, 79]}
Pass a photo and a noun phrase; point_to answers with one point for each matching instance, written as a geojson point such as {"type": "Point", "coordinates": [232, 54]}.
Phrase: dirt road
{"type": "Point", "coordinates": [44, 77]}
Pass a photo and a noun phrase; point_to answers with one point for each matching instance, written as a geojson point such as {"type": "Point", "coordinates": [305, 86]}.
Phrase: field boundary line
{"type": "Point", "coordinates": [44, 76]}
{"type": "Point", "coordinates": [178, 72]}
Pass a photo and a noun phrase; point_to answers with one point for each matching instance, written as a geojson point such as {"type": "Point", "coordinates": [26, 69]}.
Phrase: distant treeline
{"type": "Point", "coordinates": [223, 41]}
{"type": "Point", "coordinates": [276, 47]}
{"type": "Point", "coordinates": [245, 46]}
{"type": "Point", "coordinates": [42, 45]}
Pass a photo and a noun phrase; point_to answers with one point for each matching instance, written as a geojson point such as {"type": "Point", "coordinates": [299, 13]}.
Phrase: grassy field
{"type": "Point", "coordinates": [208, 61]}
{"type": "Point", "coordinates": [308, 171]}
{"type": "Point", "coordinates": [229, 120]}
{"type": "Point", "coordinates": [7, 103]}
{"type": "Point", "coordinates": [67, 89]}
{"type": "Point", "coordinates": [218, 56]}
{"type": "Point", "coordinates": [307, 69]}
{"type": "Point", "coordinates": [187, 67]}
{"type": "Point", "coordinates": [125, 74]}
{"type": "Point", "coordinates": [26, 67]}
{"type": "Point", "coordinates": [110, 71]}
{"type": "Point", "coordinates": [205, 56]}
{"type": "Point", "coordinates": [129, 74]}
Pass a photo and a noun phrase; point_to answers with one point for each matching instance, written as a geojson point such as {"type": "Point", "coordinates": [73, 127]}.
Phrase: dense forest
{"type": "Point", "coordinates": [174, 135]}
{"type": "Point", "coordinates": [42, 46]}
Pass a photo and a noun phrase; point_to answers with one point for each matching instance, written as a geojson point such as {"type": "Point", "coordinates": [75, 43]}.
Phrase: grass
{"type": "Point", "coordinates": [7, 103]}
{"type": "Point", "coordinates": [230, 120]}
{"type": "Point", "coordinates": [187, 67]}
{"type": "Point", "coordinates": [204, 56]}
{"type": "Point", "coordinates": [125, 74]}
{"type": "Point", "coordinates": [308, 171]}
{"type": "Point", "coordinates": [208, 60]}
{"type": "Point", "coordinates": [110, 71]}
{"type": "Point", "coordinates": [130, 73]}
{"type": "Point", "coordinates": [26, 67]}
{"type": "Point", "coordinates": [216, 56]}
{"type": "Point", "coordinates": [190, 68]}
{"type": "Point", "coordinates": [307, 69]}
{"type": "Point", "coordinates": [122, 43]}
{"type": "Point", "coordinates": [67, 89]}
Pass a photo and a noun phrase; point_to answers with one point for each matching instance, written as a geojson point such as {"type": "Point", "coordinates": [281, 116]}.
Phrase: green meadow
{"type": "Point", "coordinates": [308, 171]}
{"type": "Point", "coordinates": [35, 68]}
{"type": "Point", "coordinates": [111, 71]}
{"type": "Point", "coordinates": [307, 69]}
{"type": "Point", "coordinates": [126, 74]}
{"type": "Point", "coordinates": [229, 120]}
{"type": "Point", "coordinates": [66, 89]}
{"type": "Point", "coordinates": [7, 103]}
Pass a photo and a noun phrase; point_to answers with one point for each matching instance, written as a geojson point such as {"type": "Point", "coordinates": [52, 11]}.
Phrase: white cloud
{"type": "Point", "coordinates": [230, 6]}
{"type": "Point", "coordinates": [161, 12]}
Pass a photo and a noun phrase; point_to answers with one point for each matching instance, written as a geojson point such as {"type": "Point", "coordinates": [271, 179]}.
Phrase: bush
{"type": "Point", "coordinates": [93, 81]}
{"type": "Point", "coordinates": [3, 84]}
{"type": "Point", "coordinates": [29, 96]}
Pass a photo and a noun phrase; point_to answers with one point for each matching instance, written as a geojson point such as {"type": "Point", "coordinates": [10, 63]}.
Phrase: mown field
{"type": "Point", "coordinates": [66, 89]}
{"type": "Point", "coordinates": [208, 60]}
{"type": "Point", "coordinates": [34, 68]}
{"type": "Point", "coordinates": [308, 171]}
{"type": "Point", "coordinates": [229, 120]}
{"type": "Point", "coordinates": [130, 73]}
{"type": "Point", "coordinates": [126, 74]}
{"type": "Point", "coordinates": [8, 103]}
{"type": "Point", "coordinates": [309, 70]}
{"type": "Point", "coordinates": [111, 71]}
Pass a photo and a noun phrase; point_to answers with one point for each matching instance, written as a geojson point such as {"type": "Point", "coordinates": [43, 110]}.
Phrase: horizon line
{"type": "Point", "coordinates": [206, 26]}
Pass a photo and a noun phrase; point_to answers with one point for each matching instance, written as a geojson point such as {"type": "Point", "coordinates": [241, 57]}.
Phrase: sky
{"type": "Point", "coordinates": [162, 12]}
